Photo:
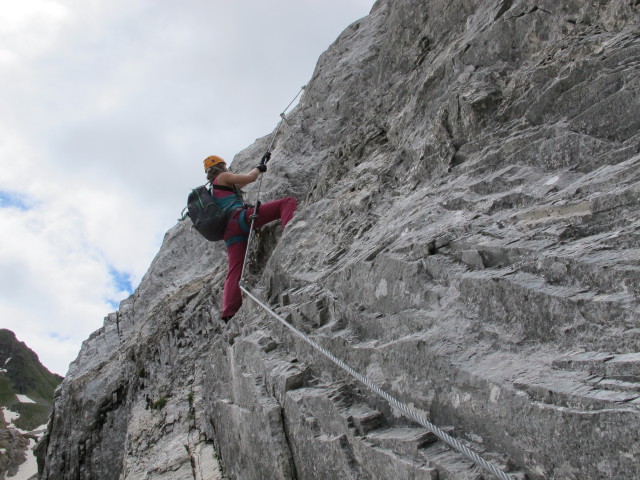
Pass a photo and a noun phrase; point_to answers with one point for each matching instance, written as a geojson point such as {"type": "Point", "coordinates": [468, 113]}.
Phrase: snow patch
{"type": "Point", "coordinates": [24, 399]}
{"type": "Point", "coordinates": [30, 467]}
{"type": "Point", "coordinates": [7, 361]}
{"type": "Point", "coordinates": [10, 416]}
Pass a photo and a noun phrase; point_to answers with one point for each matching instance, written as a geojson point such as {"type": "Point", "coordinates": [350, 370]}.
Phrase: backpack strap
{"type": "Point", "coordinates": [234, 189]}
{"type": "Point", "coordinates": [222, 187]}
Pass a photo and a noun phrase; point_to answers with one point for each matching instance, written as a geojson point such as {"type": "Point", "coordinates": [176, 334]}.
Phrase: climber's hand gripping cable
{"type": "Point", "coordinates": [262, 167]}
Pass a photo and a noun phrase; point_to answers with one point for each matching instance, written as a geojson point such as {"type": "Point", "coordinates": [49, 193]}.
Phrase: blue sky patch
{"type": "Point", "coordinates": [122, 280]}
{"type": "Point", "coordinates": [58, 336]}
{"type": "Point", "coordinates": [13, 200]}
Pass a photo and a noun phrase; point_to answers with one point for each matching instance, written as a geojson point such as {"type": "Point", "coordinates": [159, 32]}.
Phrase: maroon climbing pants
{"type": "Point", "coordinates": [236, 236]}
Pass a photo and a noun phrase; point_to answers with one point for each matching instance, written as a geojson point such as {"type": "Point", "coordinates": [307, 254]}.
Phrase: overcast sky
{"type": "Point", "coordinates": [107, 108]}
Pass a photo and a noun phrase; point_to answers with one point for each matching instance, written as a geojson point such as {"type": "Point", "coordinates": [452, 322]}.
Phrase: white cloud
{"type": "Point", "coordinates": [50, 283]}
{"type": "Point", "coordinates": [106, 111]}
{"type": "Point", "coordinates": [29, 27]}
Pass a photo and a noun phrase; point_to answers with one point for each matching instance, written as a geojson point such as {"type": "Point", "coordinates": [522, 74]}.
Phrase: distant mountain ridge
{"type": "Point", "coordinates": [21, 373]}
{"type": "Point", "coordinates": [26, 399]}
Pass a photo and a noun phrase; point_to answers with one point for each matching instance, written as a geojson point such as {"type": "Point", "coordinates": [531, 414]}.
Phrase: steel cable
{"type": "Point", "coordinates": [409, 412]}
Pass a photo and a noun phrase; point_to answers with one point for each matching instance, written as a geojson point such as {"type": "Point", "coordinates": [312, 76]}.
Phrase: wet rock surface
{"type": "Point", "coordinates": [467, 238]}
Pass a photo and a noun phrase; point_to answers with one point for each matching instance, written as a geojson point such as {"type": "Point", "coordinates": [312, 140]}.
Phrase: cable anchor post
{"type": "Point", "coordinates": [284, 119]}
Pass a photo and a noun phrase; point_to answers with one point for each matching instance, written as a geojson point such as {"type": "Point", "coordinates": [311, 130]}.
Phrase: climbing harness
{"type": "Point", "coordinates": [265, 159]}
{"type": "Point", "coordinates": [406, 410]}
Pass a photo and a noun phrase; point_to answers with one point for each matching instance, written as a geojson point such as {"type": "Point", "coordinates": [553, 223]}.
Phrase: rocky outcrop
{"type": "Point", "coordinates": [13, 448]}
{"type": "Point", "coordinates": [467, 237]}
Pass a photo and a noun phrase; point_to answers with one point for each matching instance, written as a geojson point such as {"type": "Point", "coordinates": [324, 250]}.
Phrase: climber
{"type": "Point", "coordinates": [236, 233]}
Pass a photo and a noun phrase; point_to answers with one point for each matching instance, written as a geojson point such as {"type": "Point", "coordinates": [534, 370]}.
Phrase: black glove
{"type": "Point", "coordinates": [265, 158]}
{"type": "Point", "coordinates": [262, 168]}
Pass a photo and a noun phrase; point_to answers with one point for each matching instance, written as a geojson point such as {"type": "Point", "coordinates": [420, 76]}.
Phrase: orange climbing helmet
{"type": "Point", "coordinates": [212, 160]}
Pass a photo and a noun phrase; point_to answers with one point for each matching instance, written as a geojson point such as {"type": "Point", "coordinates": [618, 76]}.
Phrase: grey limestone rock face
{"type": "Point", "coordinates": [467, 238]}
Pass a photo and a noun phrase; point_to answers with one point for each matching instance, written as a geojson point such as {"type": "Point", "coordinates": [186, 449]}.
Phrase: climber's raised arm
{"type": "Point", "coordinates": [229, 179]}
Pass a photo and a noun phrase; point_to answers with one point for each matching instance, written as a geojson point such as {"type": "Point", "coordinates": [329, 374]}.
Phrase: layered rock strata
{"type": "Point", "coordinates": [467, 237]}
